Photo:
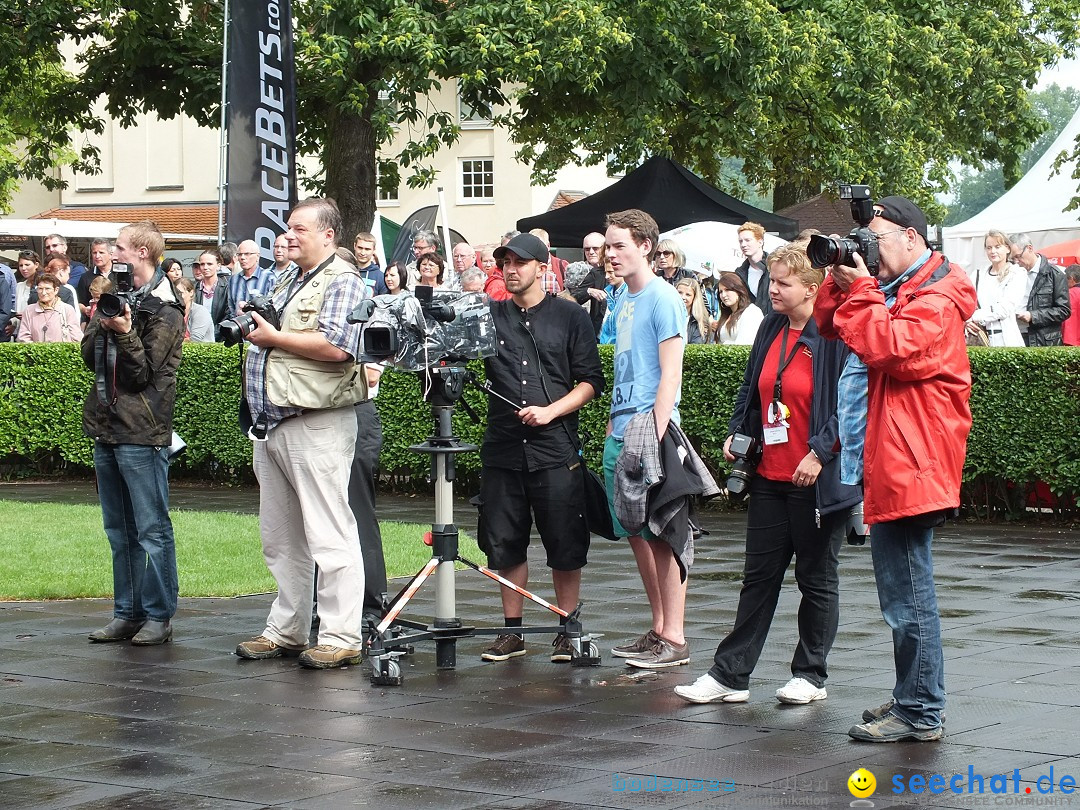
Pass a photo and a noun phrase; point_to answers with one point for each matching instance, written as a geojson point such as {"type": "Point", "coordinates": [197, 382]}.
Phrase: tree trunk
{"type": "Point", "coordinates": [349, 159]}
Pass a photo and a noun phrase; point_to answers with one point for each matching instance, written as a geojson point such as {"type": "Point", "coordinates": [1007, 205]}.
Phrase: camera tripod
{"type": "Point", "coordinates": [393, 636]}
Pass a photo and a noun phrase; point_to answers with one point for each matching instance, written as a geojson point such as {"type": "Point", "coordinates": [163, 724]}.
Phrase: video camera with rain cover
{"type": "Point", "coordinates": [825, 251]}
{"type": "Point", "coordinates": [416, 332]}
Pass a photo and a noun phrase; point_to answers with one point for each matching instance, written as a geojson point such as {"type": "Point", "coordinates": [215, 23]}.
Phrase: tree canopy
{"type": "Point", "coordinates": [805, 93]}
{"type": "Point", "coordinates": [42, 109]}
{"type": "Point", "coordinates": [976, 189]}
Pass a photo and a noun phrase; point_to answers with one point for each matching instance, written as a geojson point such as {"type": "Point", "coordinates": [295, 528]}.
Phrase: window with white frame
{"type": "Point", "coordinates": [477, 180]}
{"type": "Point", "coordinates": [384, 196]}
{"type": "Point", "coordinates": [468, 117]}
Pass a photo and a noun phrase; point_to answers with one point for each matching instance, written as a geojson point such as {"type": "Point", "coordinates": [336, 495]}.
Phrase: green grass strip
{"type": "Point", "coordinates": [59, 551]}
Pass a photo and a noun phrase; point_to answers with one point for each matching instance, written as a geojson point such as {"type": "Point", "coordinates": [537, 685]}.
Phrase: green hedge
{"type": "Point", "coordinates": [1026, 407]}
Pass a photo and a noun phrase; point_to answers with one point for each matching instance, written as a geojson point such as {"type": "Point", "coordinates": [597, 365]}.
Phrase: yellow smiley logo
{"type": "Point", "coordinates": [862, 783]}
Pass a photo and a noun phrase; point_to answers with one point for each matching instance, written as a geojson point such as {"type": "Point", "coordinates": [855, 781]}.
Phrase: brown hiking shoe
{"type": "Point", "coordinates": [261, 647]}
{"type": "Point", "coordinates": [505, 646]}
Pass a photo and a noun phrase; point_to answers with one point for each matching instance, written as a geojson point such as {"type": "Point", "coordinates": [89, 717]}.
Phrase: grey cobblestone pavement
{"type": "Point", "coordinates": [188, 725]}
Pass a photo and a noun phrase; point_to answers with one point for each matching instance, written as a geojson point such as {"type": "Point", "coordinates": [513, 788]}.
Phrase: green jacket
{"type": "Point", "coordinates": [144, 372]}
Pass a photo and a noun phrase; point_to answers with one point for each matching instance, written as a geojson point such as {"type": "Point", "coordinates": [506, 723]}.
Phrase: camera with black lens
{"type": "Point", "coordinates": [747, 452]}
{"type": "Point", "coordinates": [237, 329]}
{"type": "Point", "coordinates": [825, 251]}
{"type": "Point", "coordinates": [414, 332]}
{"type": "Point", "coordinates": [111, 304]}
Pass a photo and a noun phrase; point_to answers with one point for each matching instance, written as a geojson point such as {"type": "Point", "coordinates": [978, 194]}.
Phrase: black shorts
{"type": "Point", "coordinates": [510, 500]}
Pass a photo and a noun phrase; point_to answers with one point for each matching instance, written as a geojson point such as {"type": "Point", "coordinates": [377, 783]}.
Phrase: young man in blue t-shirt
{"type": "Point", "coordinates": [649, 340]}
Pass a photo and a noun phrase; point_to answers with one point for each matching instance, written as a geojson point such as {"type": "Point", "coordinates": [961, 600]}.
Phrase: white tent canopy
{"type": "Point", "coordinates": [1035, 205]}
{"type": "Point", "coordinates": [713, 247]}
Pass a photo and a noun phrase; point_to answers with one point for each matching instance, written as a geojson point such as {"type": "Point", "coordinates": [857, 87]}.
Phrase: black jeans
{"type": "Point", "coordinates": [781, 524]}
{"type": "Point", "coordinates": [365, 468]}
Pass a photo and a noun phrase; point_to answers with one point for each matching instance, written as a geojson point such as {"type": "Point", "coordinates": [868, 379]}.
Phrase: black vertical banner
{"type": "Point", "coordinates": [261, 114]}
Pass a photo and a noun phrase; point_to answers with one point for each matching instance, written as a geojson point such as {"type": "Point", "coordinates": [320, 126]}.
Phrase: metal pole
{"type": "Point", "coordinates": [224, 134]}
{"type": "Point", "coordinates": [446, 229]}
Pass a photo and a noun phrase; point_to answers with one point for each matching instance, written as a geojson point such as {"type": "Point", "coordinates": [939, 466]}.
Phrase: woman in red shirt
{"type": "Point", "coordinates": [798, 507]}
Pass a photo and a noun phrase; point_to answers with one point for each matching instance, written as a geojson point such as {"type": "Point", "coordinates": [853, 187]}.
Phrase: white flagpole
{"type": "Point", "coordinates": [224, 134]}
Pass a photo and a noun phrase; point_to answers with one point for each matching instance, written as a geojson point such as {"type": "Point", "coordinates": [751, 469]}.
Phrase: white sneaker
{"type": "Point", "coordinates": [799, 690]}
{"type": "Point", "coordinates": [707, 689]}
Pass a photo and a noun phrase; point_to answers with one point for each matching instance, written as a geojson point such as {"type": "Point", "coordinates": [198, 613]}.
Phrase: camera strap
{"type": "Point", "coordinates": [261, 428]}
{"type": "Point", "coordinates": [304, 280]}
{"type": "Point", "coordinates": [105, 365]}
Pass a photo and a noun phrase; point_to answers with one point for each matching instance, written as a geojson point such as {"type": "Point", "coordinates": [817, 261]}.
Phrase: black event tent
{"type": "Point", "coordinates": [671, 193]}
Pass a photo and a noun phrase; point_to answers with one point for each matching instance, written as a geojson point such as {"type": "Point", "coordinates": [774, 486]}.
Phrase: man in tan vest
{"type": "Point", "coordinates": [301, 380]}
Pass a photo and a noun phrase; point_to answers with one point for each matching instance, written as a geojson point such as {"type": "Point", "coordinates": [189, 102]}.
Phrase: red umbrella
{"type": "Point", "coordinates": [1063, 253]}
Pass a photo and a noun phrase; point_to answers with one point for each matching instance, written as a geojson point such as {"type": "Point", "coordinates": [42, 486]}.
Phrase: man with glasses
{"type": "Point", "coordinates": [423, 242]}
{"type": "Point", "coordinates": [907, 325]}
{"type": "Point", "coordinates": [754, 271]}
{"type": "Point", "coordinates": [1048, 295]}
{"type": "Point", "coordinates": [281, 255]}
{"type": "Point", "coordinates": [252, 279]}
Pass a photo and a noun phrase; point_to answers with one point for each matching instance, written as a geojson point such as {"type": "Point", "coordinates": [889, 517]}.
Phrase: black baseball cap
{"type": "Point", "coordinates": [524, 246]}
{"type": "Point", "coordinates": [903, 212]}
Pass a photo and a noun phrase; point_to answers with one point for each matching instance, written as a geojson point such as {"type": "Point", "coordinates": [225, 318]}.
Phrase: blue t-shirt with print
{"type": "Point", "coordinates": [644, 321]}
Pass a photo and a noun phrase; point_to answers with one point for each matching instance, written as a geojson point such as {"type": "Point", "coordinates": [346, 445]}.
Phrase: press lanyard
{"type": "Point", "coordinates": [783, 364]}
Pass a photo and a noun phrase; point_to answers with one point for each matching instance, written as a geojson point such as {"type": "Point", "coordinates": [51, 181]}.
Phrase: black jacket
{"type": "Point", "coordinates": [760, 296]}
{"type": "Point", "coordinates": [145, 374]}
{"type": "Point", "coordinates": [222, 306]}
{"type": "Point", "coordinates": [1048, 303]}
{"type": "Point", "coordinates": [828, 361]}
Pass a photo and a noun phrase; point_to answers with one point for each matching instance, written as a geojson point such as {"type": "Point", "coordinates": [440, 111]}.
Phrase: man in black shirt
{"type": "Point", "coordinates": [548, 362]}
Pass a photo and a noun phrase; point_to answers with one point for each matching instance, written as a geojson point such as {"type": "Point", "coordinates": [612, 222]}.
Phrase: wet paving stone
{"type": "Point", "coordinates": [188, 725]}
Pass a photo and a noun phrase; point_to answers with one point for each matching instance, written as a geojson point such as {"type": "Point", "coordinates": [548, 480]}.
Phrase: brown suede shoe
{"type": "Point", "coordinates": [327, 656]}
{"type": "Point", "coordinates": [261, 647]}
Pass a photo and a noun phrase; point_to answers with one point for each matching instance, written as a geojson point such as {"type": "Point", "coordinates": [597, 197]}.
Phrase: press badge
{"type": "Point", "coordinates": [776, 429]}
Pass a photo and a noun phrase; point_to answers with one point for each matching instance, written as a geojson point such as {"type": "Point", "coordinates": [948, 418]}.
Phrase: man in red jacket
{"type": "Point", "coordinates": [907, 326]}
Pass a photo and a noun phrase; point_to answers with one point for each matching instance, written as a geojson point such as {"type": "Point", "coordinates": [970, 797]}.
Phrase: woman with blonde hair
{"type": "Point", "coordinates": [739, 316]}
{"type": "Point", "coordinates": [697, 329]}
{"type": "Point", "coordinates": [670, 261]}
{"type": "Point", "coordinates": [798, 505]}
{"type": "Point", "coordinates": [1002, 292]}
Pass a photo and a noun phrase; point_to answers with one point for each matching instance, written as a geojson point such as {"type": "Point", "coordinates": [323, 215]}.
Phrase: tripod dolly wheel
{"type": "Point", "coordinates": [590, 655]}
{"type": "Point", "coordinates": [385, 671]}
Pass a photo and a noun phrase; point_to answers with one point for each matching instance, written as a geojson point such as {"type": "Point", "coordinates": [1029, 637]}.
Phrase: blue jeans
{"type": "Point", "coordinates": [904, 570]}
{"type": "Point", "coordinates": [133, 487]}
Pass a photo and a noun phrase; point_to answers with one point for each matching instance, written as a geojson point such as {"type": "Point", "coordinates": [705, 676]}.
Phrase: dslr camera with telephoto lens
{"type": "Point", "coordinates": [747, 452]}
{"type": "Point", "coordinates": [236, 329]}
{"type": "Point", "coordinates": [825, 251]}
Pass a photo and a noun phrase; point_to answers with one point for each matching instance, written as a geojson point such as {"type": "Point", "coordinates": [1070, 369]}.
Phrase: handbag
{"type": "Point", "coordinates": [597, 512]}
{"type": "Point", "coordinates": [978, 337]}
